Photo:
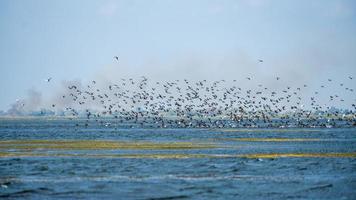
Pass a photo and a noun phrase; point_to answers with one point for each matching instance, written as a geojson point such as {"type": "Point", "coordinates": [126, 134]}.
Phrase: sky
{"type": "Point", "coordinates": [304, 41]}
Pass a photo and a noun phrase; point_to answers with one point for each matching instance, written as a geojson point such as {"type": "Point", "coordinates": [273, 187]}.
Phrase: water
{"type": "Point", "coordinates": [308, 163]}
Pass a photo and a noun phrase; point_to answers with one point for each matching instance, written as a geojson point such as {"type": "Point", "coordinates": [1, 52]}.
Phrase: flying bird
{"type": "Point", "coordinates": [260, 60]}
{"type": "Point", "coordinates": [48, 79]}
{"type": "Point", "coordinates": [116, 57]}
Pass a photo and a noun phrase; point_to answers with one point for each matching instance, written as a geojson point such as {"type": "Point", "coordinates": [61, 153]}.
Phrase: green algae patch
{"type": "Point", "coordinates": [273, 139]}
{"type": "Point", "coordinates": [166, 156]}
{"type": "Point", "coordinates": [133, 156]}
{"type": "Point", "coordinates": [182, 156]}
{"type": "Point", "coordinates": [97, 145]}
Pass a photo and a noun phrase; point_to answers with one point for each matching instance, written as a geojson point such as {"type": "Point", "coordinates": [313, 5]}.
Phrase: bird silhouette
{"type": "Point", "coordinates": [205, 104]}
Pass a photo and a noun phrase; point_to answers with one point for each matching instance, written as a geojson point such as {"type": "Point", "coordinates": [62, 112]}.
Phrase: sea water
{"type": "Point", "coordinates": [289, 163]}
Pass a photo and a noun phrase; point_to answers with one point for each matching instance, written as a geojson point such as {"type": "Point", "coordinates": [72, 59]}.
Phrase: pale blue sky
{"type": "Point", "coordinates": [77, 39]}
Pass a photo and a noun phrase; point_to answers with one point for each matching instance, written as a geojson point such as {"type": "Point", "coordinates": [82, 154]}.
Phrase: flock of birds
{"type": "Point", "coordinates": [203, 104]}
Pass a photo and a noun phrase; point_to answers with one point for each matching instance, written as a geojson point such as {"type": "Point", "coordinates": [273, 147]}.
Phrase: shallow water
{"type": "Point", "coordinates": [118, 162]}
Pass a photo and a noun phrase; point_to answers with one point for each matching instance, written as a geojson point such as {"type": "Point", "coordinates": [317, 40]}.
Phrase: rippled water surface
{"type": "Point", "coordinates": [57, 159]}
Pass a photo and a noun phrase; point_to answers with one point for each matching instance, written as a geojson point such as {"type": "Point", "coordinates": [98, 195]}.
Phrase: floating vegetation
{"type": "Point", "coordinates": [97, 145]}
{"type": "Point", "coordinates": [184, 156]}
{"type": "Point", "coordinates": [153, 156]}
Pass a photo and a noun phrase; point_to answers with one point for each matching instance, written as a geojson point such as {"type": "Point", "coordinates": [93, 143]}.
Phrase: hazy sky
{"type": "Point", "coordinates": [299, 40]}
